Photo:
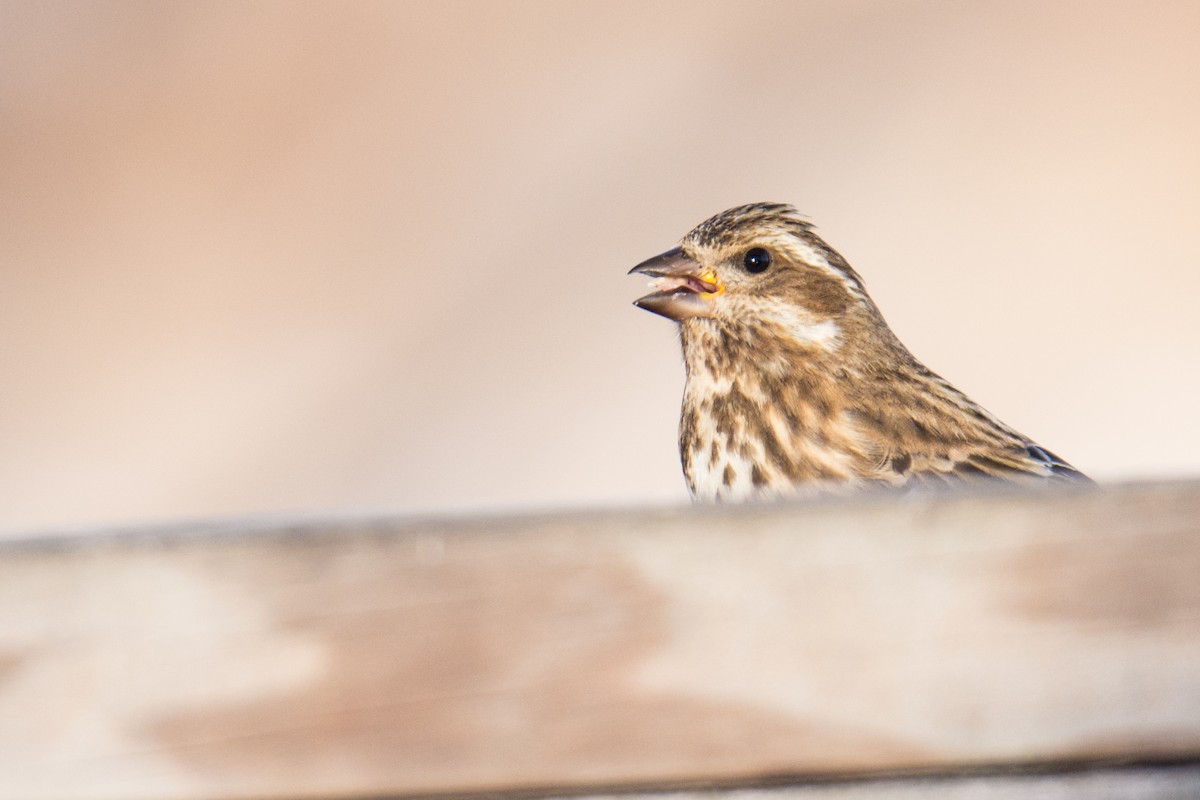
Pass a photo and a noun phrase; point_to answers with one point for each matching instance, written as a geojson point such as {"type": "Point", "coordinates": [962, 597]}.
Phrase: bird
{"type": "Point", "coordinates": [795, 383]}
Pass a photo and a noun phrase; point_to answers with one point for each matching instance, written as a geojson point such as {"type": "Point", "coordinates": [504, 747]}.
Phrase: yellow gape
{"type": "Point", "coordinates": [708, 276]}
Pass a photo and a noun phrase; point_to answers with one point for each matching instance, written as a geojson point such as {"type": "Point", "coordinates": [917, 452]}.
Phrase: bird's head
{"type": "Point", "coordinates": [753, 265]}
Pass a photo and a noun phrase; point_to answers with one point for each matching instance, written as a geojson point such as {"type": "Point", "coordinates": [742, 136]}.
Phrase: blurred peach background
{"type": "Point", "coordinates": [298, 257]}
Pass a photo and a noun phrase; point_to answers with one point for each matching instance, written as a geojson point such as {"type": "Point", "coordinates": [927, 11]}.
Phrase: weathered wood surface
{"type": "Point", "coordinates": [383, 657]}
{"type": "Point", "coordinates": [1178, 782]}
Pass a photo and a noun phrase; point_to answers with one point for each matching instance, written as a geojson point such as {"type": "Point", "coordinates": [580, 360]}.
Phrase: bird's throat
{"type": "Point", "coordinates": [760, 414]}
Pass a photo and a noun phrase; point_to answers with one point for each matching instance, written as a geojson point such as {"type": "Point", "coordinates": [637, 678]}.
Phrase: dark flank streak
{"type": "Point", "coordinates": [756, 476]}
{"type": "Point", "coordinates": [775, 453]}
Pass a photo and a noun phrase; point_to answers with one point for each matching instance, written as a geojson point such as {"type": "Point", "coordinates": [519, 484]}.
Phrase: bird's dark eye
{"type": "Point", "coordinates": [756, 260]}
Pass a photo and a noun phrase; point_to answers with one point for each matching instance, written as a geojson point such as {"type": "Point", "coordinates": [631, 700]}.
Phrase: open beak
{"type": "Point", "coordinates": [682, 288]}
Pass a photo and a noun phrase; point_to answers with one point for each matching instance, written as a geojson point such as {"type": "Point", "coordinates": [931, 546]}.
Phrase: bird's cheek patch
{"type": "Point", "coordinates": [710, 277]}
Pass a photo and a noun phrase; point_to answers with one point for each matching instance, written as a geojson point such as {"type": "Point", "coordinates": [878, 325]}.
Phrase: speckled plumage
{"type": "Point", "coordinates": [795, 381]}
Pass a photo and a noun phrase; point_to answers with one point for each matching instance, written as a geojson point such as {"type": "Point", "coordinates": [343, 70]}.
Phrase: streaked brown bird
{"type": "Point", "coordinates": [795, 381]}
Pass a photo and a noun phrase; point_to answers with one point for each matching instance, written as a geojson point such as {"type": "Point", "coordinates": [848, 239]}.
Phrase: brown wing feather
{"type": "Point", "coordinates": [927, 431]}
{"type": "Point", "coordinates": [1018, 463]}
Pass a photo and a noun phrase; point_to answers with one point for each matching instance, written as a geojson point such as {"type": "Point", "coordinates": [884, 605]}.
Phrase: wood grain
{"type": "Point", "coordinates": [370, 657]}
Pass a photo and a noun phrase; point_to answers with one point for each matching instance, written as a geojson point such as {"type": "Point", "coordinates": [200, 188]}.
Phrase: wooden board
{"type": "Point", "coordinates": [1139, 783]}
{"type": "Point", "coordinates": [382, 657]}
